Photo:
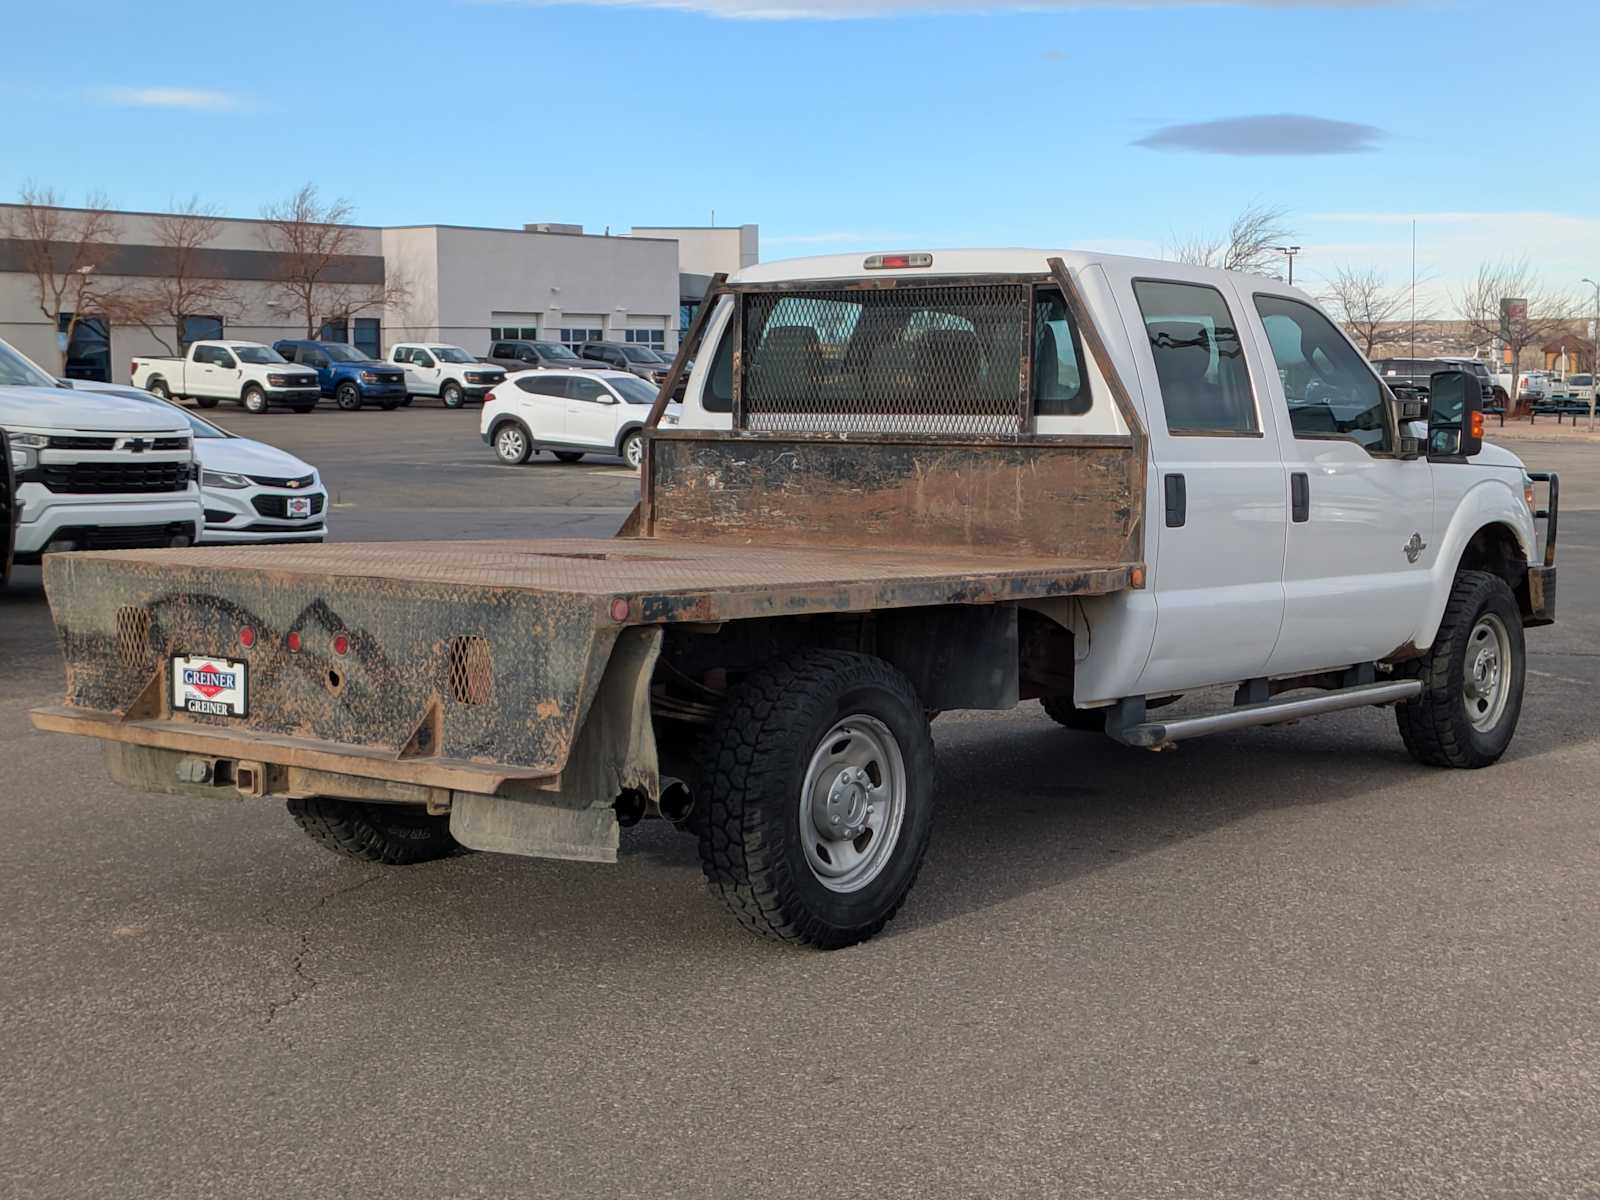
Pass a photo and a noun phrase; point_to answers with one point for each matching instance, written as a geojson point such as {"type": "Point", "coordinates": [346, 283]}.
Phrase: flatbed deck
{"type": "Point", "coordinates": [665, 581]}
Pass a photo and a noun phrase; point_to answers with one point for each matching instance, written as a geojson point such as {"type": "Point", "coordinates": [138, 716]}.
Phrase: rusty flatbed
{"type": "Point", "coordinates": [662, 581]}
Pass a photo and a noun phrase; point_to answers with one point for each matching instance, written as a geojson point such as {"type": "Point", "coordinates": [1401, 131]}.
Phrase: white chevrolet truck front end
{"type": "Point", "coordinates": [98, 473]}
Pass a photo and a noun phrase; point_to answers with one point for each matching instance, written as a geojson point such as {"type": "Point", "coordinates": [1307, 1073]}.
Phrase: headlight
{"type": "Point", "coordinates": [223, 479]}
{"type": "Point", "coordinates": [669, 418]}
{"type": "Point", "coordinates": [1528, 497]}
{"type": "Point", "coordinates": [368, 377]}
{"type": "Point", "coordinates": [33, 441]}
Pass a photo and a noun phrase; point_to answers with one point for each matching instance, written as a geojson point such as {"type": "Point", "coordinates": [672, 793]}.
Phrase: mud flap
{"type": "Point", "coordinates": [615, 751]}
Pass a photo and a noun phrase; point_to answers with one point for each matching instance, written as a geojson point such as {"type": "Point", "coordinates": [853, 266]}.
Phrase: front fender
{"type": "Point", "coordinates": [1488, 502]}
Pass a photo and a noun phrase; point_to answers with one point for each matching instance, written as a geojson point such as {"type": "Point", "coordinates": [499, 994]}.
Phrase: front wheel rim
{"type": "Point", "coordinates": [852, 804]}
{"type": "Point", "coordinates": [511, 445]}
{"type": "Point", "coordinates": [1486, 673]}
{"type": "Point", "coordinates": [634, 451]}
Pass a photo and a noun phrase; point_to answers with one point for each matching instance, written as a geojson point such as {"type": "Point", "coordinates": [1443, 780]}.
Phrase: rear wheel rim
{"type": "Point", "coordinates": [511, 444]}
{"type": "Point", "coordinates": [1486, 674]}
{"type": "Point", "coordinates": [852, 804]}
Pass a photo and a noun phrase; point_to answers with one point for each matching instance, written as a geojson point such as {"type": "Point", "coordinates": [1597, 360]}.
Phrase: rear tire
{"type": "Point", "coordinates": [392, 834]}
{"type": "Point", "coordinates": [254, 400]}
{"type": "Point", "coordinates": [1062, 711]}
{"type": "Point", "coordinates": [806, 752]}
{"type": "Point", "coordinates": [158, 389]}
{"type": "Point", "coordinates": [1472, 678]}
{"type": "Point", "coordinates": [348, 397]}
{"type": "Point", "coordinates": [511, 444]}
{"type": "Point", "coordinates": [568, 456]}
{"type": "Point", "coordinates": [452, 395]}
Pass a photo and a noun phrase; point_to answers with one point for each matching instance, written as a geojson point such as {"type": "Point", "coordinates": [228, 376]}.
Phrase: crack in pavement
{"type": "Point", "coordinates": [302, 982]}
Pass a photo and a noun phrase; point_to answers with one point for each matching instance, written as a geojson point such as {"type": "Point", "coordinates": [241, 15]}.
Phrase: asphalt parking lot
{"type": "Point", "coordinates": [1285, 962]}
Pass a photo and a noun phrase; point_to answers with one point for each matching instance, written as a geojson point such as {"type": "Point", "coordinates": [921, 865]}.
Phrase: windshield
{"type": "Point", "coordinates": [633, 389]}
{"type": "Point", "coordinates": [16, 371]}
{"type": "Point", "coordinates": [259, 355]}
{"type": "Point", "coordinates": [343, 352]}
{"type": "Point", "coordinates": [554, 350]}
{"type": "Point", "coordinates": [451, 354]}
{"type": "Point", "coordinates": [639, 354]}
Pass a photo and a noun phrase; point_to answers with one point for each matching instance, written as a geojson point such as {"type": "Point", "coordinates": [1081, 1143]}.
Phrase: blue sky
{"type": "Point", "coordinates": [922, 124]}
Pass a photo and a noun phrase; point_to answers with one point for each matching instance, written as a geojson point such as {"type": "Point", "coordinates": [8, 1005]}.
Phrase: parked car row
{"type": "Point", "coordinates": [93, 466]}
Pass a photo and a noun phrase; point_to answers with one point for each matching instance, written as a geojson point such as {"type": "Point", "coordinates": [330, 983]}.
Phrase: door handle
{"type": "Point", "coordinates": [1299, 497]}
{"type": "Point", "coordinates": [1177, 497]}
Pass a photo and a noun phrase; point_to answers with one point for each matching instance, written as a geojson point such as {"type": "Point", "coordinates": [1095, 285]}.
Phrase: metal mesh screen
{"type": "Point", "coordinates": [926, 360]}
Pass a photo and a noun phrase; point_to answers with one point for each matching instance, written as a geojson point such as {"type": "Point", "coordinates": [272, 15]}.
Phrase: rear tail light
{"type": "Point", "coordinates": [489, 398]}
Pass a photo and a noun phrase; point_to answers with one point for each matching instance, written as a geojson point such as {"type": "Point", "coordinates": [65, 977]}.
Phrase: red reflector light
{"type": "Point", "coordinates": [619, 609]}
{"type": "Point", "coordinates": [247, 637]}
{"type": "Point", "coordinates": [341, 644]}
{"type": "Point", "coordinates": [293, 641]}
{"type": "Point", "coordinates": [891, 262]}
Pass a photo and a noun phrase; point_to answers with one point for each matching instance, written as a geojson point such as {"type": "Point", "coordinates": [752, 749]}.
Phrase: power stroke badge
{"type": "Point", "coordinates": [212, 686]}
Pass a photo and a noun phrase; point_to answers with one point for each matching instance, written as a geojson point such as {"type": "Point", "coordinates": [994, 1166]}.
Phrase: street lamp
{"type": "Point", "coordinates": [1594, 351]}
{"type": "Point", "coordinates": [1288, 252]}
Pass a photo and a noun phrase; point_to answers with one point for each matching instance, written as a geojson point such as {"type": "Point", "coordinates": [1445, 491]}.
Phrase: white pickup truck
{"type": "Point", "coordinates": [248, 373]}
{"type": "Point", "coordinates": [445, 371]}
{"type": "Point", "coordinates": [90, 471]}
{"type": "Point", "coordinates": [900, 485]}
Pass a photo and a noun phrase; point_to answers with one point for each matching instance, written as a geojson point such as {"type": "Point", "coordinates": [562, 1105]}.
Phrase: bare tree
{"type": "Point", "coordinates": [1373, 312]}
{"type": "Point", "coordinates": [65, 252]}
{"type": "Point", "coordinates": [187, 290]}
{"type": "Point", "coordinates": [316, 244]}
{"type": "Point", "coordinates": [1478, 304]}
{"type": "Point", "coordinates": [1249, 245]}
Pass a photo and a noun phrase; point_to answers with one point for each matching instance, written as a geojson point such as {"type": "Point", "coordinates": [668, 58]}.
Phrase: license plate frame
{"type": "Point", "coordinates": [298, 508]}
{"type": "Point", "coordinates": [210, 685]}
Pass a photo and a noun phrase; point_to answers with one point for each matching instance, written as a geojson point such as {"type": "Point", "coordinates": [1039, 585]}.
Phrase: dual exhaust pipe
{"type": "Point", "coordinates": [675, 804]}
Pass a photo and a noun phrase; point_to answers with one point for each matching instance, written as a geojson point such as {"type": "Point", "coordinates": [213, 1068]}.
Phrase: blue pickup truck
{"type": "Point", "coordinates": [347, 375]}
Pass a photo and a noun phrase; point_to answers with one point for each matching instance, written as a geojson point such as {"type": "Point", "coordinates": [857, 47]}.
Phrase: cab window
{"type": "Point", "coordinates": [1330, 390]}
{"type": "Point", "coordinates": [1194, 340]}
{"type": "Point", "coordinates": [1059, 387]}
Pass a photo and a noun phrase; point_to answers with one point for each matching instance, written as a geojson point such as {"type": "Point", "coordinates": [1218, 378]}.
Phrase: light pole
{"type": "Point", "coordinates": [1594, 352]}
{"type": "Point", "coordinates": [1289, 252]}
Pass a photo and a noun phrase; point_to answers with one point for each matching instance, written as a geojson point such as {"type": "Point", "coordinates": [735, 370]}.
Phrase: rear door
{"type": "Point", "coordinates": [1221, 496]}
{"type": "Point", "coordinates": [1361, 537]}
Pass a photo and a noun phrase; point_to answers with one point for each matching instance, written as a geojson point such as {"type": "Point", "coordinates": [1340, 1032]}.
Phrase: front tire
{"type": "Point", "coordinates": [393, 834]}
{"type": "Point", "coordinates": [818, 792]}
{"type": "Point", "coordinates": [452, 395]}
{"type": "Point", "coordinates": [254, 400]}
{"type": "Point", "coordinates": [632, 449]}
{"type": "Point", "coordinates": [348, 397]}
{"type": "Point", "coordinates": [511, 444]}
{"type": "Point", "coordinates": [1472, 678]}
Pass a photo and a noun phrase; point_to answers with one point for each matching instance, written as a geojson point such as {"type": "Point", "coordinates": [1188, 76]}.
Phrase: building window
{"type": "Point", "coordinates": [200, 329]}
{"type": "Point", "coordinates": [656, 339]}
{"type": "Point", "coordinates": [369, 336]}
{"type": "Point", "coordinates": [513, 333]}
{"type": "Point", "coordinates": [89, 350]}
{"type": "Point", "coordinates": [575, 337]}
{"type": "Point", "coordinates": [334, 329]}
{"type": "Point", "coordinates": [686, 312]}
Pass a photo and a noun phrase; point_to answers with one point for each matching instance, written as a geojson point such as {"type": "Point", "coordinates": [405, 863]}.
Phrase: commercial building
{"type": "Point", "coordinates": [450, 283]}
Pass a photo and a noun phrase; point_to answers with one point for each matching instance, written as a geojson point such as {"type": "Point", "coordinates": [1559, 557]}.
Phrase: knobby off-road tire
{"type": "Point", "coordinates": [824, 733]}
{"type": "Point", "coordinates": [380, 833]}
{"type": "Point", "coordinates": [1472, 678]}
{"type": "Point", "coordinates": [1062, 711]}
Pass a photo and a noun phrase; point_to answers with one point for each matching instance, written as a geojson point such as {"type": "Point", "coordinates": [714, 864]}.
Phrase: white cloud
{"type": "Point", "coordinates": [845, 10]}
{"type": "Point", "coordinates": [194, 99]}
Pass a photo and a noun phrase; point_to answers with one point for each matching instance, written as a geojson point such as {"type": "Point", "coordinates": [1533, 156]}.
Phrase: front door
{"type": "Point", "coordinates": [1221, 498]}
{"type": "Point", "coordinates": [1361, 540]}
{"type": "Point", "coordinates": [422, 373]}
{"type": "Point", "coordinates": [591, 419]}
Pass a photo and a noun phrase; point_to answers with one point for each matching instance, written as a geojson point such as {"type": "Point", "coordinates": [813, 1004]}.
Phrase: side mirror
{"type": "Point", "coordinates": [1455, 415]}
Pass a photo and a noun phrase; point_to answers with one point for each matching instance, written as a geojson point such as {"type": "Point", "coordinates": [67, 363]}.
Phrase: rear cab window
{"type": "Point", "coordinates": [1199, 359]}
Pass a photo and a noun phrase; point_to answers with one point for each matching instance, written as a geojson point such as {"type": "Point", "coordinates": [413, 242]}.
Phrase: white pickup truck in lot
{"type": "Point", "coordinates": [900, 485]}
{"type": "Point", "coordinates": [448, 372]}
{"type": "Point", "coordinates": [248, 373]}
{"type": "Point", "coordinates": [93, 472]}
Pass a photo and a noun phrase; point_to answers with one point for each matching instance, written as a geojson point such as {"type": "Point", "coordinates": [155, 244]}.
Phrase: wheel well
{"type": "Point", "coordinates": [1495, 549]}
{"type": "Point", "coordinates": [501, 422]}
{"type": "Point", "coordinates": [626, 430]}
{"type": "Point", "coordinates": [249, 384]}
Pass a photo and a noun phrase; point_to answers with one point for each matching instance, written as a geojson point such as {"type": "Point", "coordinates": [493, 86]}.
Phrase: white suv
{"type": "Point", "coordinates": [570, 413]}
